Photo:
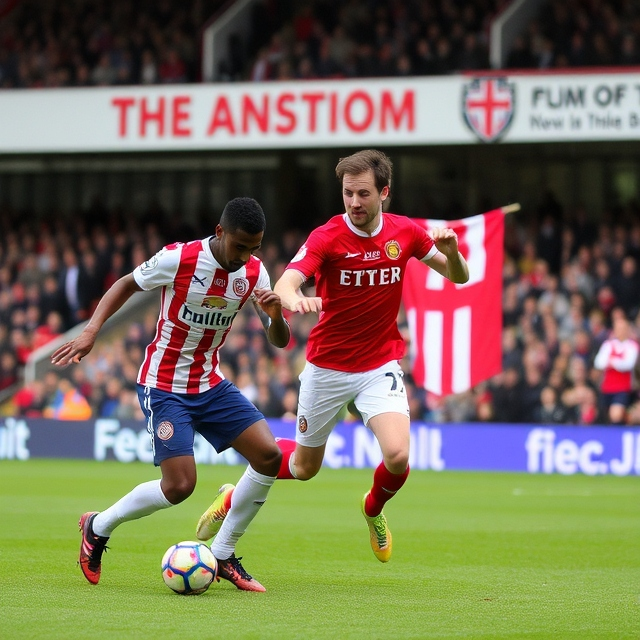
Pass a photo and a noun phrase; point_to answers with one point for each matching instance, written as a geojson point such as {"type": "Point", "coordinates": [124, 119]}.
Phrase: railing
{"type": "Point", "coordinates": [39, 361]}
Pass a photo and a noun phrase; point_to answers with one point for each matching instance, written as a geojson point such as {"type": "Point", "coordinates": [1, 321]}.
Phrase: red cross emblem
{"type": "Point", "coordinates": [488, 106]}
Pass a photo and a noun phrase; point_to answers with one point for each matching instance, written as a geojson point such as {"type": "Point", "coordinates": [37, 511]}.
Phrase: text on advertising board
{"type": "Point", "coordinates": [283, 113]}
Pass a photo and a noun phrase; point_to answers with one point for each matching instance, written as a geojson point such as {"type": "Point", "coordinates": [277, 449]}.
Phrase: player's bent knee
{"type": "Point", "coordinates": [306, 472]}
{"type": "Point", "coordinates": [269, 462]}
{"type": "Point", "coordinates": [397, 462]}
{"type": "Point", "coordinates": [178, 491]}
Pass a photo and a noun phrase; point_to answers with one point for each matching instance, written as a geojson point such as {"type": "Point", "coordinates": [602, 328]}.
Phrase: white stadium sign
{"type": "Point", "coordinates": [535, 107]}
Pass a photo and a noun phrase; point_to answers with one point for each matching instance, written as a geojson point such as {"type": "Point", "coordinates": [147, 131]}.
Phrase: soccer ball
{"type": "Point", "coordinates": [189, 568]}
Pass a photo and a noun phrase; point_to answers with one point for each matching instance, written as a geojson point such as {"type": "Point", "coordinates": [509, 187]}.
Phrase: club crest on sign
{"type": "Point", "coordinates": [488, 106]}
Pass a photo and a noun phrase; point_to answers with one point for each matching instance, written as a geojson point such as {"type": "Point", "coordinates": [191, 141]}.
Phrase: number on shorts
{"type": "Point", "coordinates": [396, 380]}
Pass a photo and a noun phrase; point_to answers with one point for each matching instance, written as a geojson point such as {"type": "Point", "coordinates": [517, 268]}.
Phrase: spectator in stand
{"type": "Point", "coordinates": [520, 54]}
{"type": "Point", "coordinates": [51, 329]}
{"type": "Point", "coordinates": [8, 369]}
{"type": "Point", "coordinates": [506, 390]}
{"type": "Point", "coordinates": [90, 284]}
{"type": "Point", "coordinates": [30, 400]}
{"type": "Point", "coordinates": [616, 359]}
{"type": "Point", "coordinates": [104, 73]}
{"type": "Point", "coordinates": [551, 410]}
{"type": "Point", "coordinates": [626, 285]}
{"type": "Point", "coordinates": [172, 70]}
{"type": "Point", "coordinates": [149, 68]}
{"type": "Point", "coordinates": [110, 401]}
{"type": "Point", "coordinates": [69, 276]}
{"type": "Point", "coordinates": [67, 403]}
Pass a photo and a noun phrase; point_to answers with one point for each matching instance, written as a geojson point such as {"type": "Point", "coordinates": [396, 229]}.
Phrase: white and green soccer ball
{"type": "Point", "coordinates": [189, 568]}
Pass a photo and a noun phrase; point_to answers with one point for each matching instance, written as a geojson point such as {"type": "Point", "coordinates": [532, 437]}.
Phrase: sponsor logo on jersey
{"type": "Point", "coordinates": [220, 282]}
{"type": "Point", "coordinates": [392, 249]}
{"type": "Point", "coordinates": [165, 430]}
{"type": "Point", "coordinates": [240, 286]}
{"type": "Point", "coordinates": [352, 255]}
{"type": "Point", "coordinates": [214, 319]}
{"type": "Point", "coordinates": [200, 281]}
{"type": "Point", "coordinates": [372, 255]}
{"type": "Point", "coordinates": [214, 302]}
{"type": "Point", "coordinates": [302, 424]}
{"type": "Point", "coordinates": [370, 277]}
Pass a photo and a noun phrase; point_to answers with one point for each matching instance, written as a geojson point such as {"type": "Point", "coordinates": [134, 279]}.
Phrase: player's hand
{"type": "Point", "coordinates": [446, 241]}
{"type": "Point", "coordinates": [307, 305]}
{"type": "Point", "coordinates": [73, 351]}
{"type": "Point", "coordinates": [269, 302]}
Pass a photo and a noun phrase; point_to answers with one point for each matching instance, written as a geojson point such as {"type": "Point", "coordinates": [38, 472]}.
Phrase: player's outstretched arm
{"type": "Point", "coordinates": [288, 288]}
{"type": "Point", "coordinates": [269, 308]}
{"type": "Point", "coordinates": [112, 300]}
{"type": "Point", "coordinates": [448, 262]}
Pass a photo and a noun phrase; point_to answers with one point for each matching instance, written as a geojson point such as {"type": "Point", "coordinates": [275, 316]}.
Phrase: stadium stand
{"type": "Point", "coordinates": [564, 277]}
{"type": "Point", "coordinates": [580, 33]}
{"type": "Point", "coordinates": [96, 43]}
{"type": "Point", "coordinates": [100, 43]}
{"type": "Point", "coordinates": [555, 316]}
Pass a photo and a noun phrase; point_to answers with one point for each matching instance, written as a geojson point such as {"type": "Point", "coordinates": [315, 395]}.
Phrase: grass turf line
{"type": "Point", "coordinates": [475, 556]}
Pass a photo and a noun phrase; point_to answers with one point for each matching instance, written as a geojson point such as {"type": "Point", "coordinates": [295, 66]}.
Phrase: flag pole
{"type": "Point", "coordinates": [510, 208]}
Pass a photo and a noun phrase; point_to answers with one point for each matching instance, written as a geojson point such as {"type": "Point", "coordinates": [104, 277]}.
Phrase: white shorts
{"type": "Point", "coordinates": [325, 392]}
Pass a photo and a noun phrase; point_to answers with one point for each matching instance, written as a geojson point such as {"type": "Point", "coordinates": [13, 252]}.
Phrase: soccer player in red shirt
{"type": "Point", "coordinates": [617, 358]}
{"type": "Point", "coordinates": [180, 386]}
{"type": "Point", "coordinates": [358, 260]}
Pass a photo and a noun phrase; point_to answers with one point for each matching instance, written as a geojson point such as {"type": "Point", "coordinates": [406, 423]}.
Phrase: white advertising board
{"type": "Point", "coordinates": [409, 111]}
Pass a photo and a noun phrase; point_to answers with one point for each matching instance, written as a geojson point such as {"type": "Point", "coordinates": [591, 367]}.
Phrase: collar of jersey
{"type": "Point", "coordinates": [207, 249]}
{"type": "Point", "coordinates": [363, 234]}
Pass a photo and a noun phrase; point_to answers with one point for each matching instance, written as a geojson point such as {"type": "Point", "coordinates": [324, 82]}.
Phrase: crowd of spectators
{"type": "Point", "coordinates": [364, 38]}
{"type": "Point", "coordinates": [98, 43]}
{"type": "Point", "coordinates": [565, 280]}
{"type": "Point", "coordinates": [579, 33]}
{"type": "Point", "coordinates": [79, 43]}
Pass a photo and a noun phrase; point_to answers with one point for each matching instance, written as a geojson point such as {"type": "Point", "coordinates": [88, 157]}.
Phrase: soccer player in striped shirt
{"type": "Point", "coordinates": [181, 389]}
{"type": "Point", "coordinates": [358, 260]}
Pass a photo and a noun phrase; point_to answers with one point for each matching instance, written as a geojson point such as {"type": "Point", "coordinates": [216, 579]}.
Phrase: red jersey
{"type": "Point", "coordinates": [617, 359]}
{"type": "Point", "coordinates": [359, 278]}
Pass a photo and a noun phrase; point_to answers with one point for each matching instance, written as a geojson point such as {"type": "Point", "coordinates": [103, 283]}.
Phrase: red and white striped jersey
{"type": "Point", "coordinates": [359, 278]}
{"type": "Point", "coordinates": [199, 301]}
{"type": "Point", "coordinates": [617, 359]}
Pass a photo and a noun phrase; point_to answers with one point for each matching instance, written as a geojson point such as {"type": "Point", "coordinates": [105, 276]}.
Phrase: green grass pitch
{"type": "Point", "coordinates": [476, 555]}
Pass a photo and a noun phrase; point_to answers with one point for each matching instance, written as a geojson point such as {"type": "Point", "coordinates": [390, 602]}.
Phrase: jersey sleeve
{"type": "Point", "coordinates": [425, 246]}
{"type": "Point", "coordinates": [310, 256]}
{"type": "Point", "coordinates": [263, 281]}
{"type": "Point", "coordinates": [160, 270]}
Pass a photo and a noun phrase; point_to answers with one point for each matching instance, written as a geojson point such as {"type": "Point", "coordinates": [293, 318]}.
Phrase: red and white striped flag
{"type": "Point", "coordinates": [456, 329]}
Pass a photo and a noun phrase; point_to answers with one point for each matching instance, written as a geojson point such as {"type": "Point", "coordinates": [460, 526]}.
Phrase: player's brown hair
{"type": "Point", "coordinates": [362, 161]}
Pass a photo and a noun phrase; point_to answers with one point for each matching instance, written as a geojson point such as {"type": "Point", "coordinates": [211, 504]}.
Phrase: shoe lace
{"type": "Point", "coordinates": [380, 528]}
{"type": "Point", "coordinates": [99, 547]}
{"type": "Point", "coordinates": [235, 563]}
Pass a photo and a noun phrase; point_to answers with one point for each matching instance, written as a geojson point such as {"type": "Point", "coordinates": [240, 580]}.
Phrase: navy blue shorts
{"type": "Point", "coordinates": [220, 415]}
{"type": "Point", "coordinates": [624, 398]}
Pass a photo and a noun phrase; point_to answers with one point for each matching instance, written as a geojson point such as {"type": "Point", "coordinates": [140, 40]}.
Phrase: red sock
{"type": "Point", "coordinates": [287, 447]}
{"type": "Point", "coordinates": [385, 486]}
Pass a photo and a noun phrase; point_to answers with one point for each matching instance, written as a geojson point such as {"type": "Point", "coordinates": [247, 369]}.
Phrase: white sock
{"type": "Point", "coordinates": [248, 496]}
{"type": "Point", "coordinates": [143, 500]}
